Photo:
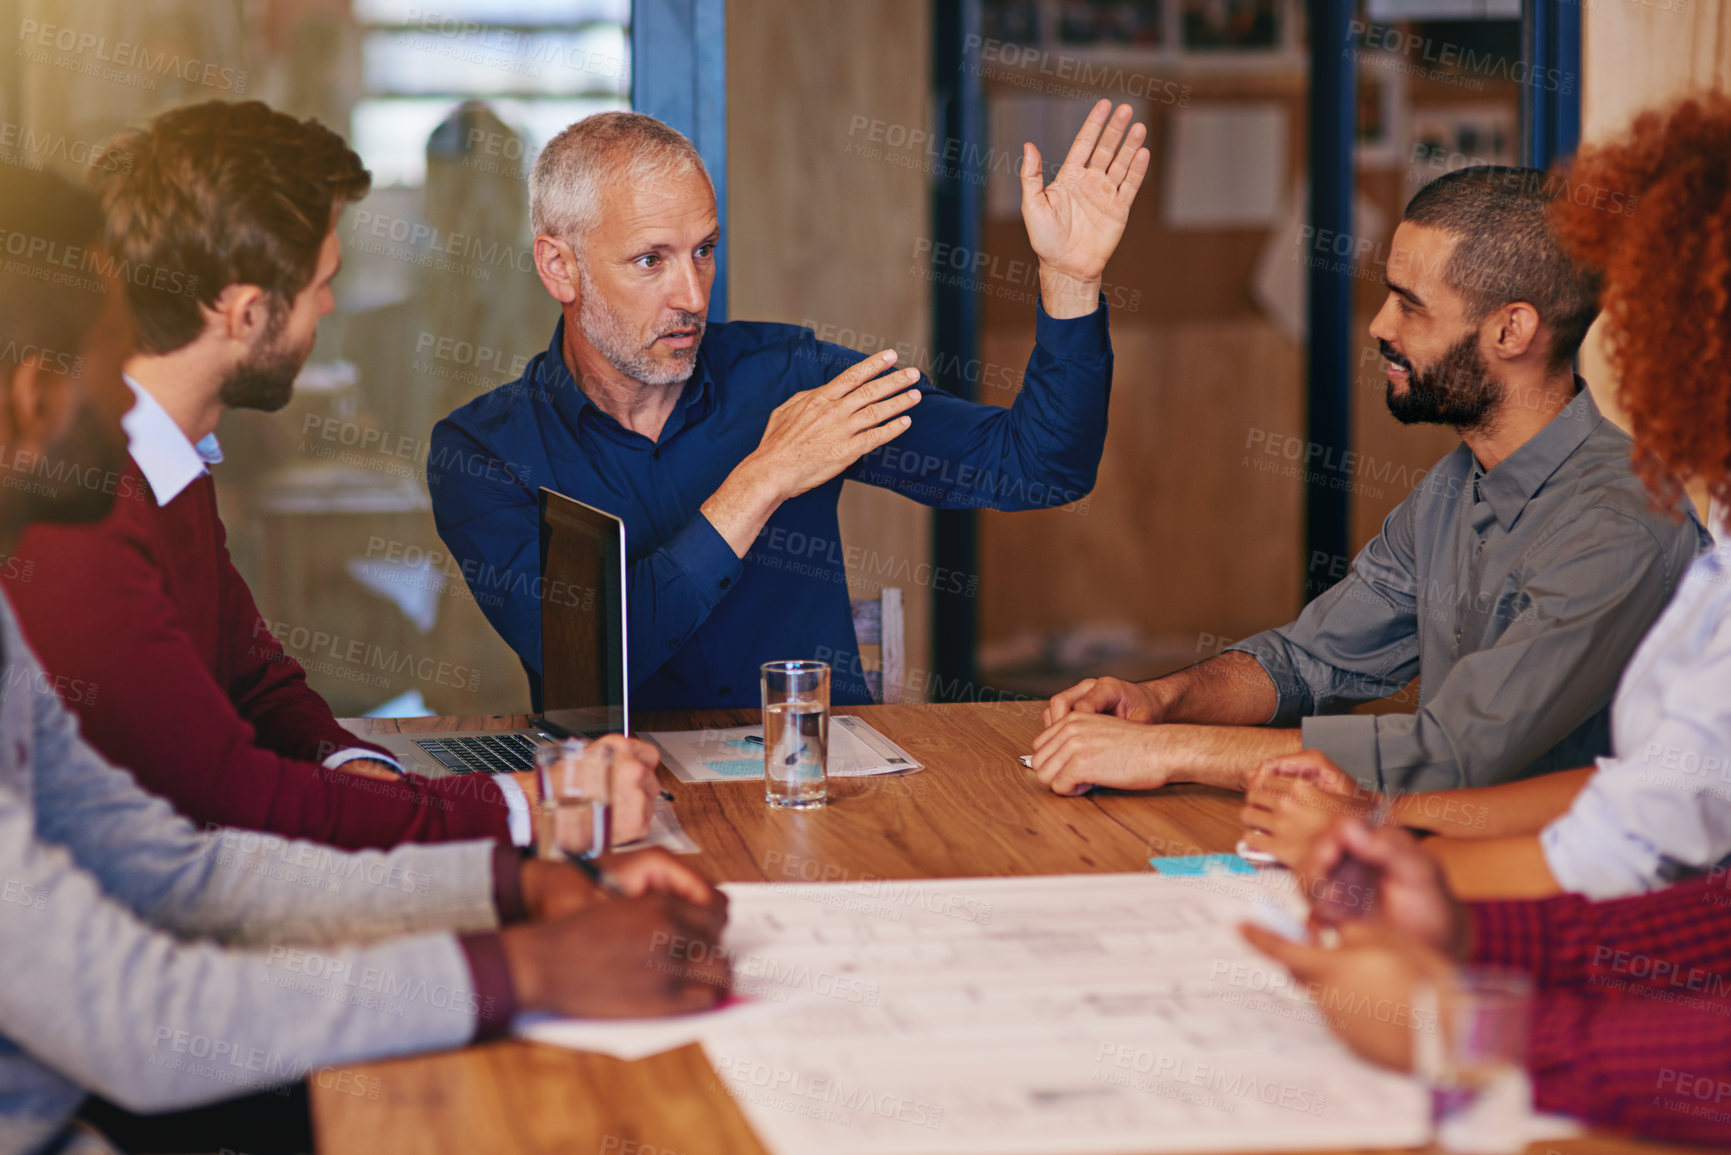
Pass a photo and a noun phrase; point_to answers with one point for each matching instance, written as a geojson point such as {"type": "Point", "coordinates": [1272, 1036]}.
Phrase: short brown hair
{"type": "Point", "coordinates": [221, 194]}
{"type": "Point", "coordinates": [1505, 250]}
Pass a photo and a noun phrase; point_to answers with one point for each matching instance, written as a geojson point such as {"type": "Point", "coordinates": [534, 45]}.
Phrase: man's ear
{"type": "Point", "coordinates": [556, 265]}
{"type": "Point", "coordinates": [241, 313]}
{"type": "Point", "coordinates": [29, 405]}
{"type": "Point", "coordinates": [1516, 329]}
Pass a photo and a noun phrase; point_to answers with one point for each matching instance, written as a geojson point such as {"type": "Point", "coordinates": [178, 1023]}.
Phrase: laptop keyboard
{"type": "Point", "coordinates": [482, 753]}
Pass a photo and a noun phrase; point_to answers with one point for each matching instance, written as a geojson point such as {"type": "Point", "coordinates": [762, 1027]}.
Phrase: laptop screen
{"type": "Point", "coordinates": [583, 679]}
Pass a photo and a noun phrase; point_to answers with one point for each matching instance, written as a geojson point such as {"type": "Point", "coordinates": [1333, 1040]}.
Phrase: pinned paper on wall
{"type": "Point", "coordinates": [1225, 165]}
{"type": "Point", "coordinates": [1280, 282]}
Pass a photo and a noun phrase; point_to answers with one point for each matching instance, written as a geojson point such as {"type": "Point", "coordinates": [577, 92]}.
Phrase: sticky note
{"type": "Point", "coordinates": [1197, 864]}
{"type": "Point", "coordinates": [737, 767]}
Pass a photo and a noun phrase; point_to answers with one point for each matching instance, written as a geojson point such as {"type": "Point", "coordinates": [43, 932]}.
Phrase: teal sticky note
{"type": "Point", "coordinates": [1199, 864]}
{"type": "Point", "coordinates": [737, 767]}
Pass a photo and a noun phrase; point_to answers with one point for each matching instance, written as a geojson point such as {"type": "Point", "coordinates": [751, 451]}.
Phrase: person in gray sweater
{"type": "Point", "coordinates": [162, 966]}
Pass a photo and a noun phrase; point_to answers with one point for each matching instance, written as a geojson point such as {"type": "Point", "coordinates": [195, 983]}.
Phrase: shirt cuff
{"type": "Point", "coordinates": [355, 753]}
{"type": "Point", "coordinates": [516, 810]}
{"type": "Point", "coordinates": [1292, 697]}
{"type": "Point", "coordinates": [1590, 849]}
{"type": "Point", "coordinates": [1349, 741]}
{"type": "Point", "coordinates": [704, 556]}
{"type": "Point", "coordinates": [1073, 338]}
{"type": "Point", "coordinates": [508, 885]}
{"type": "Point", "coordinates": [490, 972]}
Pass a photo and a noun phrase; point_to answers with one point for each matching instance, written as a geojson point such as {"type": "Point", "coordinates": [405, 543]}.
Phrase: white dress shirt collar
{"type": "Point", "coordinates": [167, 459]}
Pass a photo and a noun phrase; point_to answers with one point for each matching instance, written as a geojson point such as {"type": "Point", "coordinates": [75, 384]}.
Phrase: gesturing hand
{"type": "Point", "coordinates": [813, 436]}
{"type": "Point", "coordinates": [1075, 222]}
{"type": "Point", "coordinates": [809, 439]}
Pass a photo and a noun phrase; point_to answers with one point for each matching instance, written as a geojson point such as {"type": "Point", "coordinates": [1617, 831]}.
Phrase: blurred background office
{"type": "Point", "coordinates": [869, 152]}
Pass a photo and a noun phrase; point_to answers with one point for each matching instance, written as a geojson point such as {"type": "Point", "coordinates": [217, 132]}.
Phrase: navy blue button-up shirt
{"type": "Point", "coordinates": [701, 619]}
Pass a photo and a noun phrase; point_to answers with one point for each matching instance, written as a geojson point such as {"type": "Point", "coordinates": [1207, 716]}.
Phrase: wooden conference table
{"type": "Point", "coordinates": [974, 811]}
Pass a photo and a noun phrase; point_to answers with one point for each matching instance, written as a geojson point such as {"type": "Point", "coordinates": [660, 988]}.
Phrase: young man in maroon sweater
{"type": "Point", "coordinates": [226, 221]}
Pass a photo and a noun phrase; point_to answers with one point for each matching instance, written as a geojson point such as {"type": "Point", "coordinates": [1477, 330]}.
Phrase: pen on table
{"type": "Point", "coordinates": [597, 874]}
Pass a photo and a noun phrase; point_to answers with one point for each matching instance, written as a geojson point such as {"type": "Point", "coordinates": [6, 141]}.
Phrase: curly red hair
{"type": "Point", "coordinates": [1653, 211]}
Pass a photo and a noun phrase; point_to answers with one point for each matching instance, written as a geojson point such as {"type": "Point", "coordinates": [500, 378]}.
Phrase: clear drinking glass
{"type": "Point", "coordinates": [795, 734]}
{"type": "Point", "coordinates": [1472, 1050]}
{"type": "Point", "coordinates": [575, 816]}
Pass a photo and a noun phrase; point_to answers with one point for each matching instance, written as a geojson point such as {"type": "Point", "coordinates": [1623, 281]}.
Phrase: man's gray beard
{"type": "Point", "coordinates": [604, 329]}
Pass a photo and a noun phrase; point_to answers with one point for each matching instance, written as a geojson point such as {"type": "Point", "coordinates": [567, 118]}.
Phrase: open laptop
{"type": "Point", "coordinates": [585, 689]}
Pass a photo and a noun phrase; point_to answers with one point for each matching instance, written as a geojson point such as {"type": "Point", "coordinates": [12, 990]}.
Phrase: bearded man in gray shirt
{"type": "Point", "coordinates": [163, 967]}
{"type": "Point", "coordinates": [1514, 581]}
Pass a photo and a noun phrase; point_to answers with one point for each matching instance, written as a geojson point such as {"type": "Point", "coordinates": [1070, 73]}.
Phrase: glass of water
{"type": "Point", "coordinates": [1471, 1048]}
{"type": "Point", "coordinates": [795, 734]}
{"type": "Point", "coordinates": [575, 815]}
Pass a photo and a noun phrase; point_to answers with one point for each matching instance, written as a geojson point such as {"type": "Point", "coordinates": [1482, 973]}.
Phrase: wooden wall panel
{"type": "Point", "coordinates": [819, 231]}
{"type": "Point", "coordinates": [1193, 528]}
{"type": "Point", "coordinates": [1635, 57]}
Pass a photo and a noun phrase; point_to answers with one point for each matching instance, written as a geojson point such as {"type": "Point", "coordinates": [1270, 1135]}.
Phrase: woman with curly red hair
{"type": "Point", "coordinates": [1652, 211]}
{"type": "Point", "coordinates": [1631, 1023]}
{"type": "Point", "coordinates": [1666, 296]}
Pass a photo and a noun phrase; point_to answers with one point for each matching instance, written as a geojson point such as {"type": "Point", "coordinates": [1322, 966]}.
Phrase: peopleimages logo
{"type": "Point", "coordinates": [122, 61]}
{"type": "Point", "coordinates": [84, 267]}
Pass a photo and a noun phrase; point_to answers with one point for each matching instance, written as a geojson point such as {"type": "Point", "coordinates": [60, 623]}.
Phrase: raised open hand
{"type": "Point", "coordinates": [1075, 222]}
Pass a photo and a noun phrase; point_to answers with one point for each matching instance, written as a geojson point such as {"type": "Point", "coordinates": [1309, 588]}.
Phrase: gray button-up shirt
{"type": "Point", "coordinates": [1516, 596]}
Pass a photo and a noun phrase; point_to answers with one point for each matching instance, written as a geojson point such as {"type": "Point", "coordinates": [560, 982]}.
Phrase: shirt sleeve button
{"type": "Point", "coordinates": [673, 643]}
{"type": "Point", "coordinates": [726, 583]}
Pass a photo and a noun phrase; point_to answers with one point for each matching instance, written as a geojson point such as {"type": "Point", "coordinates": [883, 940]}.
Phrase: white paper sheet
{"type": "Point", "coordinates": [856, 750]}
{"type": "Point", "coordinates": [637, 1038]}
{"type": "Point", "coordinates": [1226, 165]}
{"type": "Point", "coordinates": [1094, 1013]}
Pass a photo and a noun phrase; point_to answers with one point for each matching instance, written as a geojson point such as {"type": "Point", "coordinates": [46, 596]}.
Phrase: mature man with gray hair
{"type": "Point", "coordinates": [724, 446]}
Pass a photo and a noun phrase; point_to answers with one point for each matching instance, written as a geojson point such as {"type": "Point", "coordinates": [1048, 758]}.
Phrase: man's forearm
{"type": "Point", "coordinates": [741, 507]}
{"type": "Point", "coordinates": [1229, 689]}
{"type": "Point", "coordinates": [1223, 756]}
{"type": "Point", "coordinates": [1507, 810]}
{"type": "Point", "coordinates": [1065, 297]}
